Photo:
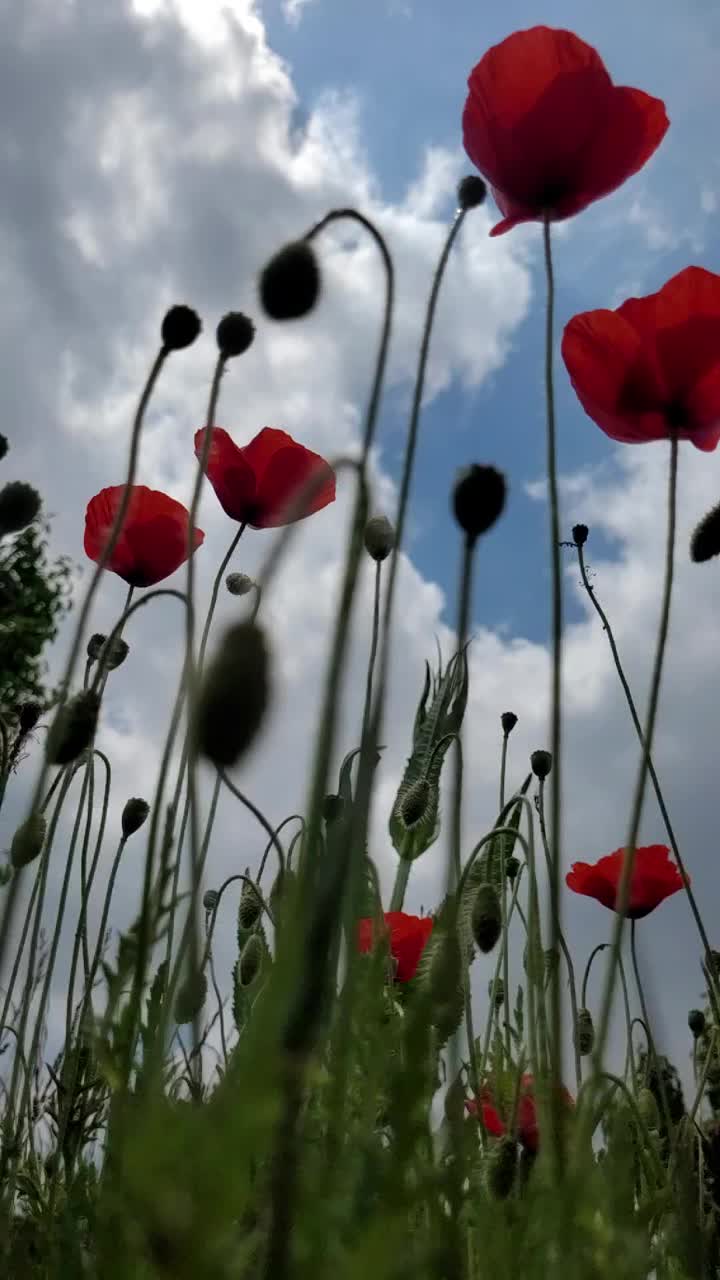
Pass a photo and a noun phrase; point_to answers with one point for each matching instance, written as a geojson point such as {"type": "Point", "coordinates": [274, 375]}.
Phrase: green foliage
{"type": "Point", "coordinates": [34, 596]}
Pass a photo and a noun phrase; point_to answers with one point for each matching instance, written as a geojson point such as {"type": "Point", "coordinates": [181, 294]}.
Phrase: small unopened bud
{"type": "Point", "coordinates": [234, 334]}
{"type": "Point", "coordinates": [496, 992]}
{"type": "Point", "coordinates": [211, 897]}
{"type": "Point", "coordinates": [580, 534]}
{"type": "Point", "coordinates": [332, 808]}
{"type": "Point", "coordinates": [134, 815]}
{"type": "Point", "coordinates": [180, 327]}
{"type": "Point", "coordinates": [28, 715]}
{"type": "Point", "coordinates": [471, 191]}
{"type": "Point", "coordinates": [234, 696]}
{"type": "Point", "coordinates": [19, 505]}
{"type": "Point", "coordinates": [4, 446]}
{"type": "Point", "coordinates": [290, 282]}
{"type": "Point", "coordinates": [478, 499]}
{"type": "Point", "coordinates": [74, 728]}
{"type": "Point", "coordinates": [541, 763]}
{"type": "Point", "coordinates": [95, 646]}
{"type": "Point", "coordinates": [696, 1022]}
{"type": "Point", "coordinates": [251, 958]}
{"type": "Point", "coordinates": [414, 804]}
{"type": "Point", "coordinates": [705, 541]}
{"type": "Point", "coordinates": [512, 866]}
{"type": "Point", "coordinates": [250, 906]}
{"type": "Point", "coordinates": [584, 1033]}
{"type": "Point", "coordinates": [648, 1108]}
{"type": "Point", "coordinates": [239, 584]}
{"type": "Point", "coordinates": [379, 538]}
{"type": "Point", "coordinates": [113, 653]}
{"type": "Point", "coordinates": [190, 998]}
{"type": "Point", "coordinates": [502, 1168]}
{"type": "Point", "coordinates": [508, 721]}
{"type": "Point", "coordinates": [486, 918]}
{"type": "Point", "coordinates": [28, 841]}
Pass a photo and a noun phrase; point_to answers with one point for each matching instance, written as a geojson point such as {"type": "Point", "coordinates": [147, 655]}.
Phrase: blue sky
{"type": "Point", "coordinates": [407, 64]}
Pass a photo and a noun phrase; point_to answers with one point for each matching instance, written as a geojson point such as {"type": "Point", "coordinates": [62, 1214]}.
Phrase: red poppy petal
{"type": "Point", "coordinates": [632, 130]}
{"type": "Point", "coordinates": [615, 376]}
{"type": "Point", "coordinates": [492, 1121]}
{"type": "Point", "coordinates": [263, 447]}
{"type": "Point", "coordinates": [229, 473]}
{"type": "Point", "coordinates": [408, 935]}
{"type": "Point", "coordinates": [153, 539]}
{"type": "Point", "coordinates": [287, 471]}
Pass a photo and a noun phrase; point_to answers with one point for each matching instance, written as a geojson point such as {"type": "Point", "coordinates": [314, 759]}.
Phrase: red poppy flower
{"type": "Point", "coordinates": [153, 541]}
{"type": "Point", "coordinates": [548, 128]}
{"type": "Point", "coordinates": [527, 1120]}
{"type": "Point", "coordinates": [654, 878]}
{"type": "Point", "coordinates": [652, 368]}
{"type": "Point", "coordinates": [407, 937]}
{"type": "Point", "coordinates": [255, 484]}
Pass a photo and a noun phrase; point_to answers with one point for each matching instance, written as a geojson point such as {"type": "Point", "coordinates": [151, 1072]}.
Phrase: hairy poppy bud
{"type": "Point", "coordinates": [478, 499]}
{"type": "Point", "coordinates": [508, 721]}
{"type": "Point", "coordinates": [114, 652]}
{"type": "Point", "coordinates": [180, 327]}
{"type": "Point", "coordinates": [234, 334]}
{"type": "Point", "coordinates": [290, 282]}
{"type": "Point", "coordinates": [580, 534]}
{"type": "Point", "coordinates": [541, 763]}
{"type": "Point", "coordinates": [28, 715]}
{"type": "Point", "coordinates": [471, 191]}
{"type": "Point", "coordinates": [74, 728]}
{"type": "Point", "coordinates": [486, 918]}
{"type": "Point", "coordinates": [95, 646]}
{"type": "Point", "coordinates": [584, 1033]}
{"type": "Point", "coordinates": [28, 840]}
{"type": "Point", "coordinates": [414, 804]}
{"type": "Point", "coordinates": [133, 815]}
{"type": "Point", "coordinates": [190, 997]}
{"type": "Point", "coordinates": [332, 808]}
{"type": "Point", "coordinates": [705, 541]}
{"type": "Point", "coordinates": [282, 884]}
{"type": "Point", "coordinates": [251, 958]}
{"type": "Point", "coordinates": [234, 696]}
{"type": "Point", "coordinates": [502, 1168]}
{"type": "Point", "coordinates": [696, 1022]}
{"type": "Point", "coordinates": [496, 992]}
{"type": "Point", "coordinates": [3, 446]}
{"type": "Point", "coordinates": [648, 1108]}
{"type": "Point", "coordinates": [211, 897]}
{"type": "Point", "coordinates": [379, 538]}
{"type": "Point", "coordinates": [239, 584]}
{"type": "Point", "coordinates": [250, 906]}
{"type": "Point", "coordinates": [19, 505]}
{"type": "Point", "coordinates": [512, 866]}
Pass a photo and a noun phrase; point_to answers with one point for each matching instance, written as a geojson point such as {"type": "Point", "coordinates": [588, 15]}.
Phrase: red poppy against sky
{"type": "Point", "coordinates": [654, 878]}
{"type": "Point", "coordinates": [652, 367]}
{"type": "Point", "coordinates": [527, 1120]}
{"type": "Point", "coordinates": [544, 123]}
{"type": "Point", "coordinates": [407, 937]}
{"type": "Point", "coordinates": [256, 483]}
{"type": "Point", "coordinates": [153, 541]}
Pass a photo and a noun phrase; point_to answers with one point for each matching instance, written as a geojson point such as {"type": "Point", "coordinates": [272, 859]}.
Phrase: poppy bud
{"type": "Point", "coordinates": [508, 721]}
{"type": "Point", "coordinates": [478, 499]}
{"type": "Point", "coordinates": [239, 584]}
{"type": "Point", "coordinates": [133, 815]}
{"type": "Point", "coordinates": [290, 282]}
{"type": "Point", "coordinates": [5, 874]}
{"type": "Point", "coordinates": [28, 715]}
{"type": "Point", "coordinates": [19, 505]}
{"type": "Point", "coordinates": [486, 918]}
{"type": "Point", "coordinates": [696, 1022]}
{"type": "Point", "coordinates": [414, 804]}
{"type": "Point", "coordinates": [251, 958]}
{"type": "Point", "coordinates": [281, 885]}
{"type": "Point", "coordinates": [705, 541]}
{"type": "Point", "coordinates": [211, 897]}
{"type": "Point", "coordinates": [190, 998]}
{"type": "Point", "coordinates": [580, 534]}
{"type": "Point", "coordinates": [648, 1108]}
{"type": "Point", "coordinates": [379, 538]}
{"type": "Point", "coordinates": [234, 696]}
{"type": "Point", "coordinates": [250, 906]}
{"type": "Point", "coordinates": [234, 334]}
{"type": "Point", "coordinates": [74, 728]}
{"type": "Point", "coordinates": [502, 1168]}
{"type": "Point", "coordinates": [180, 328]}
{"type": "Point", "coordinates": [584, 1032]}
{"type": "Point", "coordinates": [114, 652]}
{"type": "Point", "coordinates": [541, 763]}
{"type": "Point", "coordinates": [496, 992]}
{"type": "Point", "coordinates": [471, 191]}
{"type": "Point", "coordinates": [95, 646]}
{"type": "Point", "coordinates": [28, 841]}
{"type": "Point", "coordinates": [3, 446]}
{"type": "Point", "coordinates": [512, 866]}
{"type": "Point", "coordinates": [332, 808]}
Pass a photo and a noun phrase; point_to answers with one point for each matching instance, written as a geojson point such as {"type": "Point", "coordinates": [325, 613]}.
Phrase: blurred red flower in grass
{"type": "Point", "coordinates": [526, 1120]}
{"type": "Point", "coordinates": [407, 936]}
{"type": "Point", "coordinates": [654, 878]}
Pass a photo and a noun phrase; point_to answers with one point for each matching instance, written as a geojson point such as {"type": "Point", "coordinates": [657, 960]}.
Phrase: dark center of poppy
{"type": "Point", "coordinates": [676, 415]}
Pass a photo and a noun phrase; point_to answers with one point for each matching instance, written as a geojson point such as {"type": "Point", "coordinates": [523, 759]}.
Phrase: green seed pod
{"type": "Point", "coordinates": [114, 652]}
{"type": "Point", "coordinates": [19, 505]}
{"type": "Point", "coordinates": [239, 584]}
{"type": "Point", "coordinates": [414, 804]}
{"type": "Point", "coordinates": [496, 992]}
{"type": "Point", "coordinates": [648, 1108]}
{"type": "Point", "coordinates": [234, 696]}
{"type": "Point", "coordinates": [234, 334]}
{"type": "Point", "coordinates": [74, 728]}
{"type": "Point", "coordinates": [696, 1022]}
{"type": "Point", "coordinates": [134, 815]}
{"type": "Point", "coordinates": [379, 538]}
{"type": "Point", "coordinates": [180, 327]}
{"type": "Point", "coordinates": [190, 998]}
{"type": "Point", "coordinates": [28, 841]}
{"type": "Point", "coordinates": [508, 720]}
{"type": "Point", "coordinates": [580, 534]}
{"type": "Point", "coordinates": [512, 866]}
{"type": "Point", "coordinates": [471, 191]}
{"type": "Point", "coordinates": [290, 282]}
{"type": "Point", "coordinates": [502, 1168]}
{"type": "Point", "coordinates": [541, 763]}
{"type": "Point", "coordinates": [332, 808]}
{"type": "Point", "coordinates": [478, 499]}
{"type": "Point", "coordinates": [251, 958]}
{"type": "Point", "coordinates": [250, 907]}
{"type": "Point", "coordinates": [584, 1033]}
{"type": "Point", "coordinates": [211, 898]}
{"type": "Point", "coordinates": [486, 918]}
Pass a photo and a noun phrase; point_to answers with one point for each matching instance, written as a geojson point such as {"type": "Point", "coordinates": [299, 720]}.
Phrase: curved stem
{"type": "Point", "coordinates": [293, 817]}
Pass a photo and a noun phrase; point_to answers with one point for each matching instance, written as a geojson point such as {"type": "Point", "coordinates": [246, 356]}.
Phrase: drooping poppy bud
{"type": "Point", "coordinates": [28, 715]}
{"type": "Point", "coordinates": [512, 866]}
{"type": "Point", "coordinates": [74, 728]}
{"type": "Point", "coordinates": [211, 897]}
{"type": "Point", "coordinates": [584, 1033]}
{"type": "Point", "coordinates": [134, 815]}
{"type": "Point", "coordinates": [486, 918]}
{"type": "Point", "coordinates": [190, 998]}
{"type": "Point", "coordinates": [290, 282]}
{"type": "Point", "coordinates": [379, 538]}
{"type": "Point", "coordinates": [95, 646]}
{"type": "Point", "coordinates": [696, 1022]}
{"type": "Point", "coordinates": [113, 653]}
{"type": "Point", "coordinates": [478, 499]}
{"type": "Point", "coordinates": [28, 840]}
{"type": "Point", "coordinates": [180, 327]}
{"type": "Point", "coordinates": [3, 447]}
{"type": "Point", "coordinates": [705, 541]}
{"type": "Point", "coordinates": [250, 906]}
{"type": "Point", "coordinates": [251, 958]}
{"type": "Point", "coordinates": [234, 334]}
{"type": "Point", "coordinates": [234, 696]}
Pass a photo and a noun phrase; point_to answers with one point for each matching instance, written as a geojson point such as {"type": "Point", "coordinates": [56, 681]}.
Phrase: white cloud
{"type": "Point", "coordinates": [293, 10]}
{"type": "Point", "coordinates": [708, 200]}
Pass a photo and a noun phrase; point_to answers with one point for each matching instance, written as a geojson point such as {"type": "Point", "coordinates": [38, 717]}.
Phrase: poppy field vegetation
{"type": "Point", "coordinates": [332, 1107]}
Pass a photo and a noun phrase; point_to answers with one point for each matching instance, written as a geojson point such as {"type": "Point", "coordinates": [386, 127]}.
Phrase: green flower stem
{"type": "Point", "coordinates": [503, 766]}
{"type": "Point", "coordinates": [402, 875]}
{"type": "Point", "coordinates": [651, 1039]}
{"type": "Point", "coordinates": [294, 817]}
{"type": "Point", "coordinates": [624, 887]}
{"type": "Point", "coordinates": [630, 1053]}
{"type": "Point", "coordinates": [89, 878]}
{"type": "Point", "coordinates": [561, 939]}
{"type": "Point", "coordinates": [514, 903]}
{"type": "Point", "coordinates": [373, 652]}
